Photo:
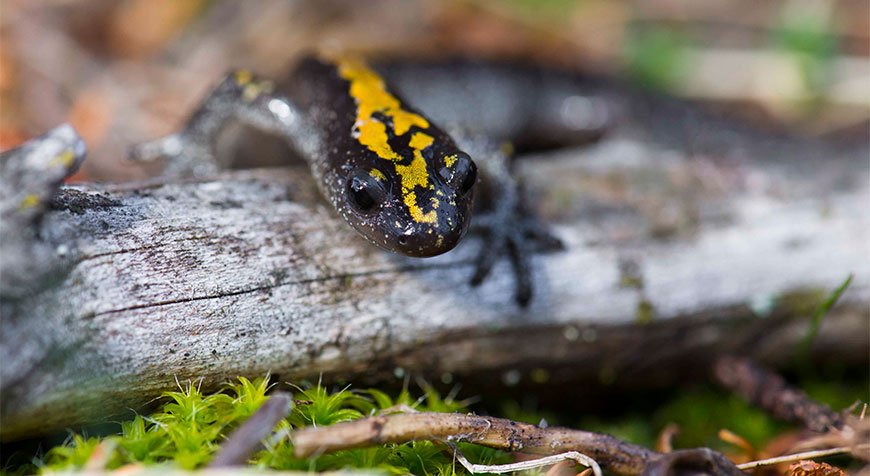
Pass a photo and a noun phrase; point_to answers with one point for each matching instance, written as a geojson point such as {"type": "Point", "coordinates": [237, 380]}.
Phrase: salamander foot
{"type": "Point", "coordinates": [516, 234]}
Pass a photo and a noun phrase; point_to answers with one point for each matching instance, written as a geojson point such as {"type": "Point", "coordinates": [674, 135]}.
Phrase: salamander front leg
{"type": "Point", "coordinates": [240, 96]}
{"type": "Point", "coordinates": [507, 227]}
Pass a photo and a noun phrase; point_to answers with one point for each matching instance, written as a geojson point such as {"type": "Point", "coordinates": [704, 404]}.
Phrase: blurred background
{"type": "Point", "coordinates": [128, 71]}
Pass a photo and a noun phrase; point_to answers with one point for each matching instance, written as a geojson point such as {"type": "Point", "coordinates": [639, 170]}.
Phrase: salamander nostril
{"type": "Point", "coordinates": [403, 240]}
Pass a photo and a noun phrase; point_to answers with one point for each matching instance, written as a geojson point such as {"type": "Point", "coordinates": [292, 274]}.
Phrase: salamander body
{"type": "Point", "coordinates": [395, 176]}
{"type": "Point", "coordinates": [403, 181]}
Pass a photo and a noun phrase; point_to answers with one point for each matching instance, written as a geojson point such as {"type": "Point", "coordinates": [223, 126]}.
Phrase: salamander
{"type": "Point", "coordinates": [404, 181]}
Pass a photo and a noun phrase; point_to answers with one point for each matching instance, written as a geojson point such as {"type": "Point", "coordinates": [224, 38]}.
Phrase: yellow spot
{"type": "Point", "coordinates": [29, 201]}
{"type": "Point", "coordinates": [450, 160]}
{"type": "Point", "coordinates": [416, 212]}
{"type": "Point", "coordinates": [371, 96]}
{"type": "Point", "coordinates": [435, 202]}
{"type": "Point", "coordinates": [507, 148]}
{"type": "Point", "coordinates": [254, 89]}
{"type": "Point", "coordinates": [373, 134]}
{"type": "Point", "coordinates": [420, 141]}
{"type": "Point", "coordinates": [65, 158]}
{"type": "Point", "coordinates": [242, 77]}
{"type": "Point", "coordinates": [378, 175]}
{"type": "Point", "coordinates": [415, 175]}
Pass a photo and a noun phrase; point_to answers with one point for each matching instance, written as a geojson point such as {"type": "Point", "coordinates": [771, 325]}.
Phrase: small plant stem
{"type": "Point", "coordinates": [245, 440]}
{"type": "Point", "coordinates": [524, 465]}
{"type": "Point", "coordinates": [800, 456]}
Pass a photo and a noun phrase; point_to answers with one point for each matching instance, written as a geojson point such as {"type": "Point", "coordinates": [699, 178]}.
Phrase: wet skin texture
{"type": "Point", "coordinates": [394, 176]}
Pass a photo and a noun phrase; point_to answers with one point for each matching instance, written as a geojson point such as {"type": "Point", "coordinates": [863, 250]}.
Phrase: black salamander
{"type": "Point", "coordinates": [404, 183]}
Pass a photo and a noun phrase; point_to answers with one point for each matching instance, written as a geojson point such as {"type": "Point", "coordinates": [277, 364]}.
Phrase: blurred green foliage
{"type": "Point", "coordinates": [657, 59]}
{"type": "Point", "coordinates": [803, 33]}
{"type": "Point", "coordinates": [549, 10]}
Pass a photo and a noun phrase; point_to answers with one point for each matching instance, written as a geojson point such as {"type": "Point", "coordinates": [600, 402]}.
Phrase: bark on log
{"type": "Point", "coordinates": [670, 261]}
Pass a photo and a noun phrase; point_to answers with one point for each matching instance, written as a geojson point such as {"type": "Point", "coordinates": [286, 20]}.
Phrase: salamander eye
{"type": "Point", "coordinates": [459, 172]}
{"type": "Point", "coordinates": [365, 192]}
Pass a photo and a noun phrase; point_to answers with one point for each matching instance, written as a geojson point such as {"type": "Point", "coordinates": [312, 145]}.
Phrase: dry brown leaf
{"type": "Point", "coordinates": [811, 468]}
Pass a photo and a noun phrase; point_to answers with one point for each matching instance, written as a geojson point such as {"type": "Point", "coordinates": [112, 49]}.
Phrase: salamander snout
{"type": "Point", "coordinates": [419, 216]}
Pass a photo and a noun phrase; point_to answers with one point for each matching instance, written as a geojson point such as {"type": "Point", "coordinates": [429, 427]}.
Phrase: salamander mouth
{"type": "Point", "coordinates": [414, 241]}
{"type": "Point", "coordinates": [428, 242]}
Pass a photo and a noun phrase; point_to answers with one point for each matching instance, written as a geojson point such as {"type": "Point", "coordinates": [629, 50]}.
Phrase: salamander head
{"type": "Point", "coordinates": [404, 185]}
{"type": "Point", "coordinates": [416, 207]}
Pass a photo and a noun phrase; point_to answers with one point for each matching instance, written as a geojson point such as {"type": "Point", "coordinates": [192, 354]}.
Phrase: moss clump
{"type": "Point", "coordinates": [188, 430]}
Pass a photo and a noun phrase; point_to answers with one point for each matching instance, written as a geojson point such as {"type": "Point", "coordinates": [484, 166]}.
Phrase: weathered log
{"type": "Point", "coordinates": [670, 261]}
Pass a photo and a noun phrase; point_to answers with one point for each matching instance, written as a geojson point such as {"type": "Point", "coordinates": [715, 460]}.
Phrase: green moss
{"type": "Point", "coordinates": [190, 426]}
{"type": "Point", "coordinates": [188, 429]}
{"type": "Point", "coordinates": [702, 412]}
{"type": "Point", "coordinates": [74, 453]}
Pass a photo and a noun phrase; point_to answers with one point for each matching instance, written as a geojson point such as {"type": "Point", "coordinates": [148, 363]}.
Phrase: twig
{"type": "Point", "coordinates": [242, 443]}
{"type": "Point", "coordinates": [611, 453]}
{"type": "Point", "coordinates": [800, 456]}
{"type": "Point", "coordinates": [524, 465]}
{"type": "Point", "coordinates": [664, 443]}
{"type": "Point", "coordinates": [773, 394]}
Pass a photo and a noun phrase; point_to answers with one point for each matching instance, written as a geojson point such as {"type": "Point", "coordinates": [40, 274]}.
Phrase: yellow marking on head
{"type": "Point", "coordinates": [371, 96]}
{"type": "Point", "coordinates": [417, 212]}
{"type": "Point", "coordinates": [242, 77]}
{"type": "Point", "coordinates": [378, 175]}
{"type": "Point", "coordinates": [420, 141]}
{"type": "Point", "coordinates": [450, 160]}
{"type": "Point", "coordinates": [373, 134]}
{"type": "Point", "coordinates": [415, 175]}
{"type": "Point", "coordinates": [65, 158]}
{"type": "Point", "coordinates": [29, 201]}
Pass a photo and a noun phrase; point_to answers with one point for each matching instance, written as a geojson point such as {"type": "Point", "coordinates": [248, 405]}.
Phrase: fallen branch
{"type": "Point", "coordinates": [498, 433]}
{"type": "Point", "coordinates": [771, 392]}
{"type": "Point", "coordinates": [248, 273]}
{"type": "Point", "coordinates": [589, 448]}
